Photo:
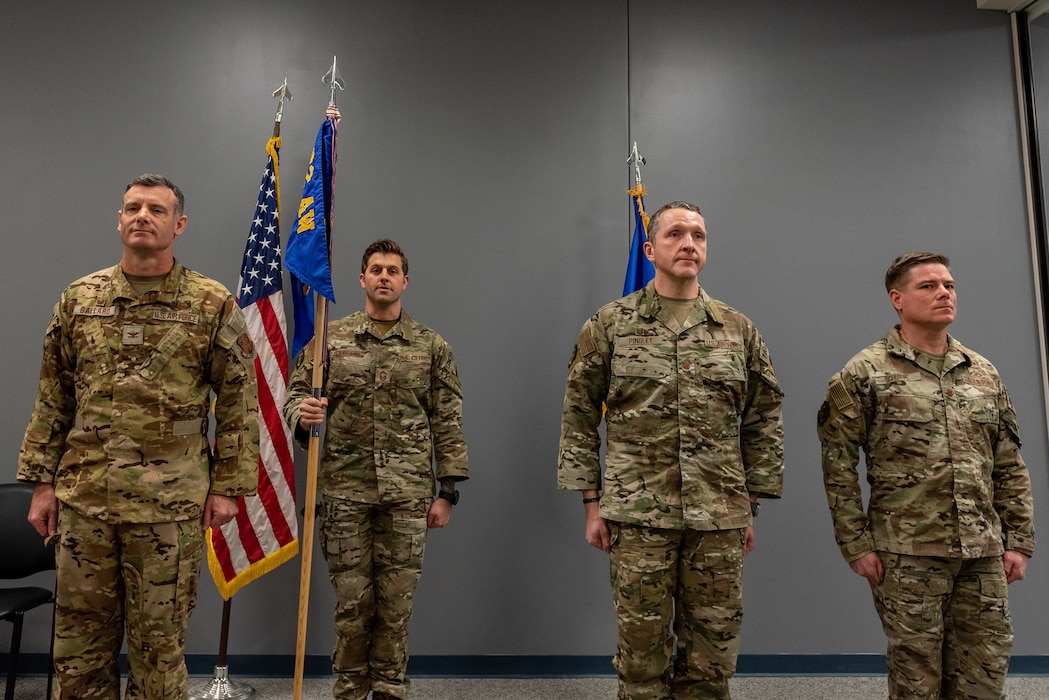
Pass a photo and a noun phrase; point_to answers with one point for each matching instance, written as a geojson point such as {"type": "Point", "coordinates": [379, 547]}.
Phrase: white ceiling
{"type": "Point", "coordinates": [1034, 7]}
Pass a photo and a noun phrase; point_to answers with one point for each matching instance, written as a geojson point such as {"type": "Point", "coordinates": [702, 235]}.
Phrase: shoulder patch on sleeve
{"type": "Point", "coordinates": [584, 347]}
{"type": "Point", "coordinates": [56, 320]}
{"type": "Point", "coordinates": [586, 343]}
{"type": "Point", "coordinates": [232, 330]}
{"type": "Point", "coordinates": [841, 397]}
{"type": "Point", "coordinates": [247, 348]}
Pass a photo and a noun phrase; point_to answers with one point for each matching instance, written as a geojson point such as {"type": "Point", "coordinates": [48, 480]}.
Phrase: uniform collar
{"type": "Point", "coordinates": [167, 292]}
{"type": "Point", "coordinates": [650, 306]}
{"type": "Point", "coordinates": [956, 354]}
{"type": "Point", "coordinates": [403, 328]}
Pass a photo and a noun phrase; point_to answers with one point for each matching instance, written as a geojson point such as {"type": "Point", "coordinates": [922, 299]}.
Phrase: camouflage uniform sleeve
{"type": "Point", "coordinates": [1013, 498]}
{"type": "Point", "coordinates": [761, 424]}
{"type": "Point", "coordinates": [446, 416]}
{"type": "Point", "coordinates": [54, 409]}
{"type": "Point", "coordinates": [235, 471]}
{"type": "Point", "coordinates": [300, 386]}
{"type": "Point", "coordinates": [842, 427]}
{"type": "Point", "coordinates": [579, 461]}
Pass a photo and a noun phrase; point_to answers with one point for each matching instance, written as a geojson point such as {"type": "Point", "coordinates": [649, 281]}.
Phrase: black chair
{"type": "Point", "coordinates": [22, 553]}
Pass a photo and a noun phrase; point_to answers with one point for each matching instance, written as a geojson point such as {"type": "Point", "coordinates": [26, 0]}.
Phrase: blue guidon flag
{"type": "Point", "coordinates": [308, 254]}
{"type": "Point", "coordinates": [639, 269]}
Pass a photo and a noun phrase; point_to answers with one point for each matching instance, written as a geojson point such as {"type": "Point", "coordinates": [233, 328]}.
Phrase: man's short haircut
{"type": "Point", "coordinates": [384, 245]}
{"type": "Point", "coordinates": [653, 223]}
{"type": "Point", "coordinates": [153, 180]}
{"type": "Point", "coordinates": [902, 265]}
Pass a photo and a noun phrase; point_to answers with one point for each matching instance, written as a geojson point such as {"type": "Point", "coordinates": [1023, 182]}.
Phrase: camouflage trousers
{"type": "Point", "coordinates": [139, 576]}
{"type": "Point", "coordinates": [948, 626]}
{"type": "Point", "coordinates": [692, 579]}
{"type": "Point", "coordinates": [375, 556]}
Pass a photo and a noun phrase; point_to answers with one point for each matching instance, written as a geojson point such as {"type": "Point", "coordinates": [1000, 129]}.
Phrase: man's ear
{"type": "Point", "coordinates": [896, 298]}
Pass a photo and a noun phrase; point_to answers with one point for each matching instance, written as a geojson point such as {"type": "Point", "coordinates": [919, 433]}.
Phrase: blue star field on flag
{"type": "Point", "coordinates": [261, 272]}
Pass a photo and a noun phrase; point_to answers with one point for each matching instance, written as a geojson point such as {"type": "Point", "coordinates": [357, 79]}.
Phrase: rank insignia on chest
{"type": "Point", "coordinates": [132, 335]}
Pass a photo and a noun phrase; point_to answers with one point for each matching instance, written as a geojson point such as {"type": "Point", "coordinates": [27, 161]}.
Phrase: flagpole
{"type": "Point", "coordinates": [221, 687]}
{"type": "Point", "coordinates": [320, 325]}
{"type": "Point", "coordinates": [639, 270]}
{"type": "Point", "coordinates": [637, 160]}
{"type": "Point", "coordinates": [320, 344]}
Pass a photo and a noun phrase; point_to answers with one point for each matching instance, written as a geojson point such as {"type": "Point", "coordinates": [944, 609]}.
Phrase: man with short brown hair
{"type": "Point", "coordinates": [118, 448]}
{"type": "Point", "coordinates": [950, 519]}
{"type": "Point", "coordinates": [392, 402]}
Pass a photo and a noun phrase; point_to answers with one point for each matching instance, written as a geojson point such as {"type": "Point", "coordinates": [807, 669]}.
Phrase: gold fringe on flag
{"type": "Point", "coordinates": [271, 561]}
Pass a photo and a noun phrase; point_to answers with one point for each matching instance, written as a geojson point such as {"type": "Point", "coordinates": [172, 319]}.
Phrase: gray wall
{"type": "Point", "coordinates": [490, 139]}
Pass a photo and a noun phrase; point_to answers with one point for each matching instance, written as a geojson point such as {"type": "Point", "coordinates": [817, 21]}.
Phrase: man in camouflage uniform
{"type": "Point", "coordinates": [947, 486]}
{"type": "Point", "coordinates": [118, 449]}
{"type": "Point", "coordinates": [394, 405]}
{"type": "Point", "coordinates": [694, 439]}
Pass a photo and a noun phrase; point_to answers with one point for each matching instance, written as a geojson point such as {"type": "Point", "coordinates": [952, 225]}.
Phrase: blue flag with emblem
{"type": "Point", "coordinates": [639, 269]}
{"type": "Point", "coordinates": [308, 253]}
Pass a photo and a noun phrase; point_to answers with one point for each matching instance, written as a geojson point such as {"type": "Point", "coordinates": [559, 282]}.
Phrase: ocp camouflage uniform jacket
{"type": "Point", "coordinates": [121, 416]}
{"type": "Point", "coordinates": [394, 409]}
{"type": "Point", "coordinates": [693, 421]}
{"type": "Point", "coordinates": [942, 455]}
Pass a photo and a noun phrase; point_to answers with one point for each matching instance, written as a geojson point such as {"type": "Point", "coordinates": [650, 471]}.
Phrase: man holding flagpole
{"type": "Point", "coordinates": [393, 404]}
{"type": "Point", "coordinates": [118, 449]}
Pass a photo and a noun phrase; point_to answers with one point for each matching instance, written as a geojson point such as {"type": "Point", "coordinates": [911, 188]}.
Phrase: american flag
{"type": "Point", "coordinates": [265, 532]}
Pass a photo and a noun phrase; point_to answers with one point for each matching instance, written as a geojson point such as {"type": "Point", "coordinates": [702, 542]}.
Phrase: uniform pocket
{"type": "Point", "coordinates": [349, 382]}
{"type": "Point", "coordinates": [994, 604]}
{"type": "Point", "coordinates": [723, 389]}
{"type": "Point", "coordinates": [984, 414]}
{"type": "Point", "coordinates": [913, 603]}
{"type": "Point", "coordinates": [637, 394]}
{"type": "Point", "coordinates": [409, 536]}
{"type": "Point", "coordinates": [902, 432]}
{"type": "Point", "coordinates": [643, 569]}
{"type": "Point", "coordinates": [340, 537]}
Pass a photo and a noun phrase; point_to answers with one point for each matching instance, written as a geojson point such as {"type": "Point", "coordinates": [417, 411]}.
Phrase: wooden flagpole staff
{"type": "Point", "coordinates": [320, 343]}
{"type": "Point", "coordinates": [320, 324]}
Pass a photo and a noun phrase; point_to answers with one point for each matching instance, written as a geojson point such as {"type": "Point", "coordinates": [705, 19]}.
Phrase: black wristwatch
{"type": "Point", "coordinates": [450, 496]}
{"type": "Point", "coordinates": [754, 508]}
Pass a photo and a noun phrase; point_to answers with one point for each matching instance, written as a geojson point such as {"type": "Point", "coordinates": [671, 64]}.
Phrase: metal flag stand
{"type": "Point", "coordinates": [221, 687]}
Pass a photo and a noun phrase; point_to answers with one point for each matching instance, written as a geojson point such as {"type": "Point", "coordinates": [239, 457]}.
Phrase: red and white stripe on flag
{"type": "Point", "coordinates": [264, 534]}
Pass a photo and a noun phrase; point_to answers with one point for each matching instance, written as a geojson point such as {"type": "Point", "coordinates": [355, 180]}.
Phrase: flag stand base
{"type": "Point", "coordinates": [222, 687]}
